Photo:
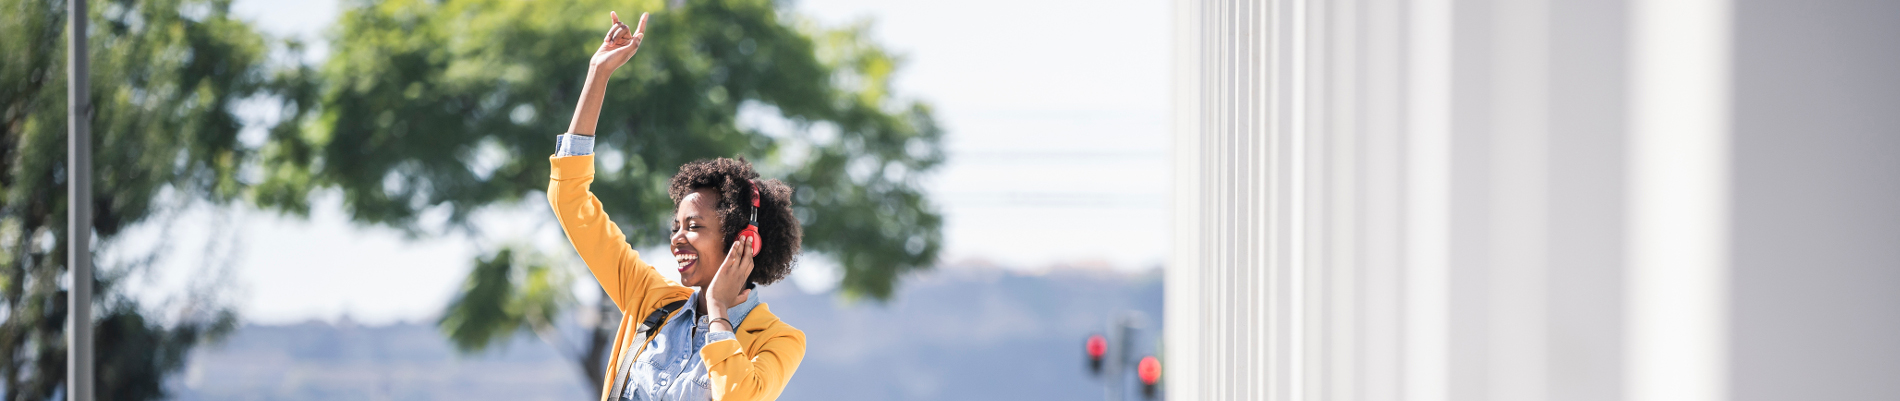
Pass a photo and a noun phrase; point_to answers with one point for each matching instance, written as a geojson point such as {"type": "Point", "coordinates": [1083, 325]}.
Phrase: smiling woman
{"type": "Point", "coordinates": [707, 336]}
{"type": "Point", "coordinates": [719, 194]}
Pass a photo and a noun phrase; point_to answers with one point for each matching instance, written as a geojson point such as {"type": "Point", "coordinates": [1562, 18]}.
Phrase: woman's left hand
{"type": "Point", "coordinates": [620, 43]}
{"type": "Point", "coordinates": [728, 284]}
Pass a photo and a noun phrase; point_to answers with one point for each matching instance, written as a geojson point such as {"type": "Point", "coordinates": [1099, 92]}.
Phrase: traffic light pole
{"type": "Point", "coordinates": [79, 383]}
{"type": "Point", "coordinates": [1118, 355]}
{"type": "Point", "coordinates": [1112, 352]}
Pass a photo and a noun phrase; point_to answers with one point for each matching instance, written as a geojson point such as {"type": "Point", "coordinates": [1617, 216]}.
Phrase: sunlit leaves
{"type": "Point", "coordinates": [507, 291]}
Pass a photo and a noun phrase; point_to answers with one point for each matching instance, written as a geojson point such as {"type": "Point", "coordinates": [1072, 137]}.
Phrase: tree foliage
{"type": "Point", "coordinates": [165, 74]}
{"type": "Point", "coordinates": [493, 307]}
{"type": "Point", "coordinates": [512, 291]}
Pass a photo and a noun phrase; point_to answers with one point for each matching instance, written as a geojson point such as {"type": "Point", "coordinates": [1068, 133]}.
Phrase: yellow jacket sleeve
{"type": "Point", "coordinates": [632, 284]}
{"type": "Point", "coordinates": [760, 377]}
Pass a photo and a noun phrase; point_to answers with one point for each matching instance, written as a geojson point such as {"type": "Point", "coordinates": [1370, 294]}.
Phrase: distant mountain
{"type": "Point", "coordinates": [952, 334]}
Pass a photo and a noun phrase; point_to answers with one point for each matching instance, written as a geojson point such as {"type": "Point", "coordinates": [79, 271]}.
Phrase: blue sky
{"type": "Point", "coordinates": [1057, 118]}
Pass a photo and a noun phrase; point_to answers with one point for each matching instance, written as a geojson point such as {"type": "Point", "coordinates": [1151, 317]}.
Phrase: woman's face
{"type": "Point", "coordinates": [697, 240]}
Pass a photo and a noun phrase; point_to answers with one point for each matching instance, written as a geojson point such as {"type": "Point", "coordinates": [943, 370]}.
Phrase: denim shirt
{"type": "Point", "coordinates": [670, 367]}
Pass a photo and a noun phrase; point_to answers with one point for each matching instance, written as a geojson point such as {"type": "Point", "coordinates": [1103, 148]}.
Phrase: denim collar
{"type": "Point", "coordinates": [736, 313]}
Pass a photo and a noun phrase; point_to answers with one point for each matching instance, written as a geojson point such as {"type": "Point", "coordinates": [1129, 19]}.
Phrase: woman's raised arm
{"type": "Point", "coordinates": [615, 49]}
{"type": "Point", "coordinates": [630, 282]}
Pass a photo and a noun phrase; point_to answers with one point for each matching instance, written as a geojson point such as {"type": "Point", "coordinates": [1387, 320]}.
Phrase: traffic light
{"type": "Point", "coordinates": [1150, 372]}
{"type": "Point", "coordinates": [1097, 347]}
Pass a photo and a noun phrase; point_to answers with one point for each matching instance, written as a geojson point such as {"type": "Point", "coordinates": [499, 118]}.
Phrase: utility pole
{"type": "Point", "coordinates": [79, 370]}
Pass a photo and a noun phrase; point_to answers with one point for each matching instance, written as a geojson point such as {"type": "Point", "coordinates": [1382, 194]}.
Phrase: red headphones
{"type": "Point", "coordinates": [752, 226]}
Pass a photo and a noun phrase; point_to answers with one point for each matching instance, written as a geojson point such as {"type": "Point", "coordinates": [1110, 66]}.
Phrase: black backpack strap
{"type": "Point", "coordinates": [658, 317]}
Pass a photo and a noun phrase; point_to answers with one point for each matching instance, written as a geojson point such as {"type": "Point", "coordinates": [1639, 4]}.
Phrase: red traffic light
{"type": "Point", "coordinates": [1149, 370]}
{"type": "Point", "coordinates": [1097, 346]}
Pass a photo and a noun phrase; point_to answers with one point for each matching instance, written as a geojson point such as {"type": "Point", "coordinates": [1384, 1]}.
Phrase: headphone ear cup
{"type": "Point", "coordinates": [753, 233]}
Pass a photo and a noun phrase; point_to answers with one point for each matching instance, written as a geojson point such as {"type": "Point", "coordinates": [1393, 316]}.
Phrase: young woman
{"type": "Point", "coordinates": [707, 336]}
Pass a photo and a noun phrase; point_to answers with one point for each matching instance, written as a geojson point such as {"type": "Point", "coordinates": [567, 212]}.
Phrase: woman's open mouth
{"type": "Point", "coordinates": [686, 260]}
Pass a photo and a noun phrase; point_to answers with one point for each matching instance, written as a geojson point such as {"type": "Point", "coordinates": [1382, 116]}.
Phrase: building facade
{"type": "Point", "coordinates": [1429, 200]}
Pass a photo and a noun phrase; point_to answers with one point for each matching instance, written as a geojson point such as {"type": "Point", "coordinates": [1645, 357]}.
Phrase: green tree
{"type": "Point", "coordinates": [165, 75]}
{"type": "Point", "coordinates": [454, 104]}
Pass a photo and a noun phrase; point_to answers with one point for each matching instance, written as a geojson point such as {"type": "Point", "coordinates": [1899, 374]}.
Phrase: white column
{"type": "Point", "coordinates": [1678, 200]}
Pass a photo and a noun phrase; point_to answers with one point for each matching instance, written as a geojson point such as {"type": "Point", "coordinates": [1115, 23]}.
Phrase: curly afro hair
{"type": "Point", "coordinates": [779, 231]}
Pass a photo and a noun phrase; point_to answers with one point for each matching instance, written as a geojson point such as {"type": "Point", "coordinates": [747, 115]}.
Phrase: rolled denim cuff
{"type": "Point", "coordinates": [573, 145]}
{"type": "Point", "coordinates": [713, 336]}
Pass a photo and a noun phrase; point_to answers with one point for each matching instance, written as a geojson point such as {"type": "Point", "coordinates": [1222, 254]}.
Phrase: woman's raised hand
{"type": "Point", "coordinates": [615, 49]}
{"type": "Point", "coordinates": [620, 43]}
{"type": "Point", "coordinates": [728, 284]}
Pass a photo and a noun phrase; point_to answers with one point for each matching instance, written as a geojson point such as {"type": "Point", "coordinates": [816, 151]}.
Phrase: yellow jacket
{"type": "Point", "coordinates": [756, 365]}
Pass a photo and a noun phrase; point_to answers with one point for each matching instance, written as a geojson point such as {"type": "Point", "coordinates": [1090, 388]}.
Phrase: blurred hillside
{"type": "Point", "coordinates": [956, 333]}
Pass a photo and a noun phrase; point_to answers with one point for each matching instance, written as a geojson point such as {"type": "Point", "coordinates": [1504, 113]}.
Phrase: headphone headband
{"type": "Point", "coordinates": [755, 202]}
{"type": "Point", "coordinates": [752, 228]}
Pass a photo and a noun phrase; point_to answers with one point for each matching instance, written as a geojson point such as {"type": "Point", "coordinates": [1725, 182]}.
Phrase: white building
{"type": "Point", "coordinates": [1426, 200]}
